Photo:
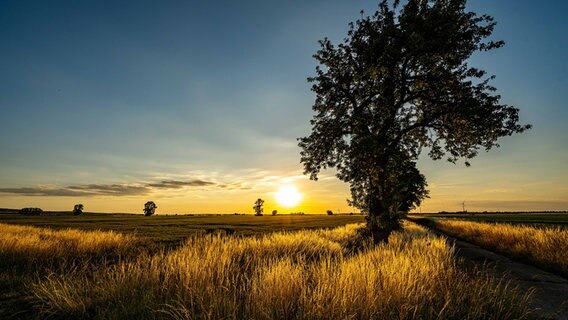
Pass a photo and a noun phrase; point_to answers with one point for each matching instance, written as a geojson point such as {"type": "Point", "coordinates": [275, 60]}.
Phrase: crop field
{"type": "Point", "coordinates": [329, 273]}
{"type": "Point", "coordinates": [559, 219]}
{"type": "Point", "coordinates": [544, 246]}
{"type": "Point", "coordinates": [173, 229]}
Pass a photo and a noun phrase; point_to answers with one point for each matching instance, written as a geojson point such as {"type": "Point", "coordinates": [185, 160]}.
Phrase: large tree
{"type": "Point", "coordinates": [401, 82]}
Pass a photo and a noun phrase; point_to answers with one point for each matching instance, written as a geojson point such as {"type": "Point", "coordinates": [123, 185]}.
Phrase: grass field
{"type": "Point", "coordinates": [174, 229]}
{"type": "Point", "coordinates": [544, 246]}
{"type": "Point", "coordinates": [560, 219]}
{"type": "Point", "coordinates": [310, 274]}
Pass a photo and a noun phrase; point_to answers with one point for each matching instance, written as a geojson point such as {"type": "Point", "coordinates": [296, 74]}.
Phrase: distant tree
{"type": "Point", "coordinates": [31, 211]}
{"type": "Point", "coordinates": [274, 212]}
{"type": "Point", "coordinates": [149, 208]}
{"type": "Point", "coordinates": [78, 209]}
{"type": "Point", "coordinates": [258, 210]}
{"type": "Point", "coordinates": [400, 82]}
{"type": "Point", "coordinates": [329, 212]}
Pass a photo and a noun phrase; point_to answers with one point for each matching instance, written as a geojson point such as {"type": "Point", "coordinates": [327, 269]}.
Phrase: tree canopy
{"type": "Point", "coordinates": [78, 209]}
{"type": "Point", "coordinates": [400, 82]}
{"type": "Point", "coordinates": [149, 208]}
{"type": "Point", "coordinates": [258, 209]}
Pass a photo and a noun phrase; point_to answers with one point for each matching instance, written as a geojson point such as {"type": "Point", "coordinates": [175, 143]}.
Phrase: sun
{"type": "Point", "coordinates": [288, 196]}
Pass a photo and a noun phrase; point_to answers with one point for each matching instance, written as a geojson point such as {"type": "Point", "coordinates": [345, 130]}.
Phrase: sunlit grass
{"type": "Point", "coordinates": [544, 246]}
{"type": "Point", "coordinates": [25, 249]}
{"type": "Point", "coordinates": [298, 275]}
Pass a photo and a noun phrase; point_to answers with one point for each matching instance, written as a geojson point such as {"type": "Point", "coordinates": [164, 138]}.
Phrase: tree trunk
{"type": "Point", "coordinates": [381, 221]}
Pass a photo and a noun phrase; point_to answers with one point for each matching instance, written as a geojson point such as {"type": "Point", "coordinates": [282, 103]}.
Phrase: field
{"type": "Point", "coordinates": [174, 229]}
{"type": "Point", "coordinates": [327, 273]}
{"type": "Point", "coordinates": [559, 219]}
{"type": "Point", "coordinates": [544, 246]}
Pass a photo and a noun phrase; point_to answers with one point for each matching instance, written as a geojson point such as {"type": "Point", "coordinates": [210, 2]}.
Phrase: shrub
{"type": "Point", "coordinates": [149, 208]}
{"type": "Point", "coordinates": [78, 209]}
{"type": "Point", "coordinates": [31, 211]}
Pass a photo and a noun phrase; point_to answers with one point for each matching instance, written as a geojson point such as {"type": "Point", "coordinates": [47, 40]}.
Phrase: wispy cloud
{"type": "Point", "coordinates": [91, 190]}
{"type": "Point", "coordinates": [173, 184]}
{"type": "Point", "coordinates": [248, 179]}
{"type": "Point", "coordinates": [41, 191]}
{"type": "Point", "coordinates": [110, 190]}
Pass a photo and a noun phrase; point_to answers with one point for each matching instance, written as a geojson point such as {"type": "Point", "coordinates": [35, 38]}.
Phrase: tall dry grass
{"type": "Point", "coordinates": [300, 275]}
{"type": "Point", "coordinates": [546, 247]}
{"type": "Point", "coordinates": [25, 249]}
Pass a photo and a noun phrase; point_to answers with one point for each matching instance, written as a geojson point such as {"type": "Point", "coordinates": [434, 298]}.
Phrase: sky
{"type": "Point", "coordinates": [197, 105]}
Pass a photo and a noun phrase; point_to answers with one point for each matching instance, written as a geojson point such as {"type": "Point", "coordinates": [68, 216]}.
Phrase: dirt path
{"type": "Point", "coordinates": [551, 291]}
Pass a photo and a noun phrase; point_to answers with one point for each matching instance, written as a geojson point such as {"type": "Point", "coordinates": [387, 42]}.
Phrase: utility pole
{"type": "Point", "coordinates": [463, 206]}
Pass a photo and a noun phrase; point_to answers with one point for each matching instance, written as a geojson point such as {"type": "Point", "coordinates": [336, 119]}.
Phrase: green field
{"type": "Point", "coordinates": [174, 229]}
{"type": "Point", "coordinates": [559, 219]}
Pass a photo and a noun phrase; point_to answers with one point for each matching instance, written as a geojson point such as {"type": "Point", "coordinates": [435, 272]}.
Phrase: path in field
{"type": "Point", "coordinates": [551, 296]}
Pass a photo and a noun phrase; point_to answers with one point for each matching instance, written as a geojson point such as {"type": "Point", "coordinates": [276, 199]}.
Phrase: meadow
{"type": "Point", "coordinates": [543, 246]}
{"type": "Point", "coordinates": [174, 229]}
{"type": "Point", "coordinates": [329, 273]}
{"type": "Point", "coordinates": [535, 219]}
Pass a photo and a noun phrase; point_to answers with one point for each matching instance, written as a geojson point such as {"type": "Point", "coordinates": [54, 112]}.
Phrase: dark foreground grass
{"type": "Point", "coordinates": [172, 230]}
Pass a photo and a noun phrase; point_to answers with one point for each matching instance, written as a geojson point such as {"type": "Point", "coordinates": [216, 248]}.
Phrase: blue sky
{"type": "Point", "coordinates": [133, 94]}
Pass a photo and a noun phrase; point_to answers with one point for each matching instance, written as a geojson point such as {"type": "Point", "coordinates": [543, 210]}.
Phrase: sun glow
{"type": "Point", "coordinates": [288, 196]}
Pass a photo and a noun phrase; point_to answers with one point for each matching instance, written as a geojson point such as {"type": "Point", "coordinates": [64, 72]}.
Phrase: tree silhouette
{"type": "Point", "coordinates": [400, 82]}
{"type": "Point", "coordinates": [78, 209]}
{"type": "Point", "coordinates": [149, 208]}
{"type": "Point", "coordinates": [405, 188]}
{"type": "Point", "coordinates": [258, 210]}
{"type": "Point", "coordinates": [31, 211]}
{"type": "Point", "coordinates": [274, 212]}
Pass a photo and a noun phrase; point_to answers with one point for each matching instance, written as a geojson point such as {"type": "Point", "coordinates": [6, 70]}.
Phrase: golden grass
{"type": "Point", "coordinates": [26, 249]}
{"type": "Point", "coordinates": [546, 247]}
{"type": "Point", "coordinates": [299, 275]}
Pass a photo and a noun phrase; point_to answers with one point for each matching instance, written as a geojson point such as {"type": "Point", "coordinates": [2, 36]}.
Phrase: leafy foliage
{"type": "Point", "coordinates": [149, 208]}
{"type": "Point", "coordinates": [400, 82]}
{"type": "Point", "coordinates": [258, 209]}
{"type": "Point", "coordinates": [78, 209]}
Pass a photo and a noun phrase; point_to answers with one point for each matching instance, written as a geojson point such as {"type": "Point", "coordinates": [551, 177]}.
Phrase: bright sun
{"type": "Point", "coordinates": [288, 196]}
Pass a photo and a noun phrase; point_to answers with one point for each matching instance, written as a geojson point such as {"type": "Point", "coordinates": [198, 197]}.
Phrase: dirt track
{"type": "Point", "coordinates": [551, 291]}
